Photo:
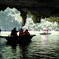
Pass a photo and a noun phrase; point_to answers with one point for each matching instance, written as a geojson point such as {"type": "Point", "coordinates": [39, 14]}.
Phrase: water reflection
{"type": "Point", "coordinates": [2, 46]}
{"type": "Point", "coordinates": [24, 52]}
{"type": "Point", "coordinates": [44, 40]}
{"type": "Point", "coordinates": [8, 51]}
{"type": "Point", "coordinates": [0, 49]}
{"type": "Point", "coordinates": [19, 52]}
{"type": "Point", "coordinates": [41, 47]}
{"type": "Point", "coordinates": [14, 52]}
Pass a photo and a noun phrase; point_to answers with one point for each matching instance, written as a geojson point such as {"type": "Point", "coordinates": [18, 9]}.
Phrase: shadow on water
{"type": "Point", "coordinates": [44, 40]}
{"type": "Point", "coordinates": [24, 52]}
{"type": "Point", "coordinates": [0, 49]}
{"type": "Point", "coordinates": [8, 51]}
{"type": "Point", "coordinates": [41, 47]}
{"type": "Point", "coordinates": [2, 46]}
{"type": "Point", "coordinates": [19, 51]}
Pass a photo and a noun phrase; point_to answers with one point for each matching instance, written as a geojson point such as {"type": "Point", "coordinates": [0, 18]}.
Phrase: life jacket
{"type": "Point", "coordinates": [20, 33]}
{"type": "Point", "coordinates": [26, 33]}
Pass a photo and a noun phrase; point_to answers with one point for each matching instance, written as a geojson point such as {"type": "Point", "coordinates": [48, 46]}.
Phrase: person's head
{"type": "Point", "coordinates": [15, 28]}
{"type": "Point", "coordinates": [26, 30]}
{"type": "Point", "coordinates": [21, 29]}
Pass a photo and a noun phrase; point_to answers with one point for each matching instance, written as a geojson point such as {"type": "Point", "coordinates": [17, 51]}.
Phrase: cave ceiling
{"type": "Point", "coordinates": [36, 8]}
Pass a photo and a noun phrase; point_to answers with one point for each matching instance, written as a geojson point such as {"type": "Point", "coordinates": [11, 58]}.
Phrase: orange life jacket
{"type": "Point", "coordinates": [26, 33]}
{"type": "Point", "coordinates": [20, 33]}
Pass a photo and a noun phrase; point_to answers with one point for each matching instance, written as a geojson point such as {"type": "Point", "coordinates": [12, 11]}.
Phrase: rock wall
{"type": "Point", "coordinates": [36, 8]}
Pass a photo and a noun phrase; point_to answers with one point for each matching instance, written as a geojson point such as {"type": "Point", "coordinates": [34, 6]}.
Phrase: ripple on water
{"type": "Point", "coordinates": [41, 47]}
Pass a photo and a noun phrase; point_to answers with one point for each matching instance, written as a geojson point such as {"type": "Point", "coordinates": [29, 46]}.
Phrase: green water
{"type": "Point", "coordinates": [41, 47]}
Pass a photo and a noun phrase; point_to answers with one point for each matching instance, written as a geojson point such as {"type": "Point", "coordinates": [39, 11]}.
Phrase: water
{"type": "Point", "coordinates": [41, 47]}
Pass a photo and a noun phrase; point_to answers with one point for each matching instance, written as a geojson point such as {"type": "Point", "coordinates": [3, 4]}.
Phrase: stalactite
{"type": "Point", "coordinates": [24, 16]}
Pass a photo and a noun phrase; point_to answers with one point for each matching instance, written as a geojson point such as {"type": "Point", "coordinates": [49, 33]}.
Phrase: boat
{"type": "Point", "coordinates": [18, 39]}
{"type": "Point", "coordinates": [45, 33]}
